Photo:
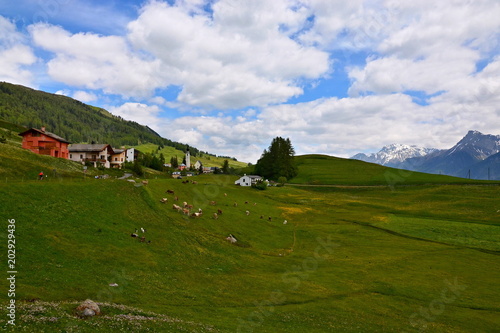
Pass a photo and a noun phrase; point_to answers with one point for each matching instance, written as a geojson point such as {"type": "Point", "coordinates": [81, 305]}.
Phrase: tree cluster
{"type": "Point", "coordinates": [73, 120]}
{"type": "Point", "coordinates": [277, 161]}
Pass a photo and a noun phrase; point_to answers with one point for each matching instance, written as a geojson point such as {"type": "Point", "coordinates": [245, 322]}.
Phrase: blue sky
{"type": "Point", "coordinates": [227, 76]}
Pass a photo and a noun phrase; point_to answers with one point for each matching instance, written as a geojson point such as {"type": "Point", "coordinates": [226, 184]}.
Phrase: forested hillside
{"type": "Point", "coordinates": [74, 120]}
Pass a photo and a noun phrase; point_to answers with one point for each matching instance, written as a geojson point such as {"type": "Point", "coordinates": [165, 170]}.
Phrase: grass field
{"type": "Point", "coordinates": [323, 169]}
{"type": "Point", "coordinates": [206, 160]}
{"type": "Point", "coordinates": [350, 259]}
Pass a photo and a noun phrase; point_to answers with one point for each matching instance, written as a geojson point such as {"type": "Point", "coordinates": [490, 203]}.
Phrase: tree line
{"type": "Point", "coordinates": [73, 120]}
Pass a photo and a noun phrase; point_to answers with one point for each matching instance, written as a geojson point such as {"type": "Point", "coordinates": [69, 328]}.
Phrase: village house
{"type": "Point", "coordinates": [248, 180]}
{"type": "Point", "coordinates": [98, 154]}
{"type": "Point", "coordinates": [42, 142]}
{"type": "Point", "coordinates": [118, 157]}
{"type": "Point", "coordinates": [131, 154]}
{"type": "Point", "coordinates": [209, 169]}
{"type": "Point", "coordinates": [197, 165]}
{"type": "Point", "coordinates": [121, 156]}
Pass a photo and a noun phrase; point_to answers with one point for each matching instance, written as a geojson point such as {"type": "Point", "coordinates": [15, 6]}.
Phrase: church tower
{"type": "Point", "coordinates": [188, 159]}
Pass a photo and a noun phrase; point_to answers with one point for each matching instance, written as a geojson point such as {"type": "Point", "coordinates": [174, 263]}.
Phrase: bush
{"type": "Point", "coordinates": [262, 185]}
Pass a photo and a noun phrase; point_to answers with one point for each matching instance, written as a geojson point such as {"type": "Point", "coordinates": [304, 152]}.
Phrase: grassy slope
{"type": "Point", "coordinates": [20, 164]}
{"type": "Point", "coordinates": [206, 160]}
{"type": "Point", "coordinates": [329, 170]}
{"type": "Point", "coordinates": [74, 239]}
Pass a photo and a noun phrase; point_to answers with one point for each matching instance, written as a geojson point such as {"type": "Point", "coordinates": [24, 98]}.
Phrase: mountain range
{"type": "Point", "coordinates": [476, 156]}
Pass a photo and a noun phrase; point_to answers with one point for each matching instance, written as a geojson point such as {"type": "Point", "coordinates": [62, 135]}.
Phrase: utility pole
{"type": "Point", "coordinates": [469, 173]}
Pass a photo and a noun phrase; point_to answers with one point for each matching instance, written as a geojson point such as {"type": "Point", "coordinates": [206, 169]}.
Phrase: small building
{"type": "Point", "coordinates": [121, 156]}
{"type": "Point", "coordinates": [98, 154]}
{"type": "Point", "coordinates": [176, 174]}
{"type": "Point", "coordinates": [248, 180]}
{"type": "Point", "coordinates": [118, 157]}
{"type": "Point", "coordinates": [197, 165]}
{"type": "Point", "coordinates": [182, 167]}
{"type": "Point", "coordinates": [131, 154]}
{"type": "Point", "coordinates": [42, 142]}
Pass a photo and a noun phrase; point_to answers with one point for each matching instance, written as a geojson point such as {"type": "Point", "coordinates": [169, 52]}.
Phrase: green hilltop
{"type": "Point", "coordinates": [329, 170]}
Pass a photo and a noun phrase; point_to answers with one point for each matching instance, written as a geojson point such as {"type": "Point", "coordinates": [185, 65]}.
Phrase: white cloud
{"type": "Point", "coordinates": [235, 58]}
{"type": "Point", "coordinates": [96, 62]}
{"type": "Point", "coordinates": [84, 96]}
{"type": "Point", "coordinates": [239, 63]}
{"type": "Point", "coordinates": [15, 55]}
{"type": "Point", "coordinates": [436, 44]}
{"type": "Point", "coordinates": [140, 113]}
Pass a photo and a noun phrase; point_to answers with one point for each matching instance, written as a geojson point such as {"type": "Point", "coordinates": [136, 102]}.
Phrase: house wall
{"type": "Point", "coordinates": [45, 145]}
{"type": "Point", "coordinates": [118, 159]}
{"type": "Point", "coordinates": [91, 156]}
{"type": "Point", "coordinates": [244, 181]}
{"type": "Point", "coordinates": [130, 154]}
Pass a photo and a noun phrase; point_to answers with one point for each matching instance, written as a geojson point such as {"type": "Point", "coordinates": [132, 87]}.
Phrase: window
{"type": "Point", "coordinates": [71, 156]}
{"type": "Point", "coordinates": [81, 157]}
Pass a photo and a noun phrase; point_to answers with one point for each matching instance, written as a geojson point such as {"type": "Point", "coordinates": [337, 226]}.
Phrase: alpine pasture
{"type": "Point", "coordinates": [416, 256]}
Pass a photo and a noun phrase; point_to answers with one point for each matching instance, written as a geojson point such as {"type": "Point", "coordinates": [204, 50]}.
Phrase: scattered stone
{"type": "Point", "coordinates": [87, 309]}
{"type": "Point", "coordinates": [113, 284]}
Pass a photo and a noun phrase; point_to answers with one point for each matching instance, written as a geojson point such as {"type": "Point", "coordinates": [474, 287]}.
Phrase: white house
{"type": "Point", "coordinates": [99, 154]}
{"type": "Point", "coordinates": [248, 180]}
{"type": "Point", "coordinates": [197, 165]}
{"type": "Point", "coordinates": [130, 154]}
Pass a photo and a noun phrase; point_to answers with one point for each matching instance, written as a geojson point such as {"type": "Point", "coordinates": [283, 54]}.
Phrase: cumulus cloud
{"type": "Point", "coordinates": [437, 44]}
{"type": "Point", "coordinates": [15, 55]}
{"type": "Point", "coordinates": [84, 96]}
{"type": "Point", "coordinates": [140, 113]}
{"type": "Point", "coordinates": [96, 62]}
{"type": "Point", "coordinates": [418, 72]}
{"type": "Point", "coordinates": [239, 56]}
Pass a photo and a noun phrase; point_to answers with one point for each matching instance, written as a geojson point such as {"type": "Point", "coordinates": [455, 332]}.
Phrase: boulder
{"type": "Point", "coordinates": [88, 308]}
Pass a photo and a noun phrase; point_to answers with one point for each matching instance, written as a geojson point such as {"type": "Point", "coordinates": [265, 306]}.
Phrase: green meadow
{"type": "Point", "coordinates": [207, 160]}
{"type": "Point", "coordinates": [329, 170]}
{"type": "Point", "coordinates": [420, 255]}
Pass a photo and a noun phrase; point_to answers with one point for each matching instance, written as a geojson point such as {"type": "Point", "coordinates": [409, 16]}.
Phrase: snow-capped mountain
{"type": "Point", "coordinates": [478, 145]}
{"type": "Point", "coordinates": [476, 154]}
{"type": "Point", "coordinates": [394, 154]}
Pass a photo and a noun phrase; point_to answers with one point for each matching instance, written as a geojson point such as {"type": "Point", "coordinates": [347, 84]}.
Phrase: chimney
{"type": "Point", "coordinates": [43, 128]}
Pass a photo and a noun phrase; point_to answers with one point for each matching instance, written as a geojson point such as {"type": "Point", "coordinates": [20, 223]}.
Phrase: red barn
{"type": "Point", "coordinates": [42, 142]}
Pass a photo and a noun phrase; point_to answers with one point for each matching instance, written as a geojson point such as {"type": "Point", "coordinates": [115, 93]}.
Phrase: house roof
{"type": "Point", "coordinates": [89, 147]}
{"type": "Point", "coordinates": [253, 176]}
{"type": "Point", "coordinates": [49, 134]}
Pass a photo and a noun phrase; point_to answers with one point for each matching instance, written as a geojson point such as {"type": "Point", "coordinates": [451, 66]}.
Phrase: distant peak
{"type": "Point", "coordinates": [473, 132]}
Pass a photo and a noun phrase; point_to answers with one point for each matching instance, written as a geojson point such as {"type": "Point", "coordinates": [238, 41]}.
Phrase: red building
{"type": "Point", "coordinates": [42, 142]}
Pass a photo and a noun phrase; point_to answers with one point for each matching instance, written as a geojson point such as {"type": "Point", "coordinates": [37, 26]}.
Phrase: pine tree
{"type": "Point", "coordinates": [225, 167]}
{"type": "Point", "coordinates": [278, 160]}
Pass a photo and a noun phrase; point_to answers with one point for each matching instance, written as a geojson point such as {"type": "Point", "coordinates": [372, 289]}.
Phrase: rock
{"type": "Point", "coordinates": [88, 313]}
{"type": "Point", "coordinates": [88, 308]}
